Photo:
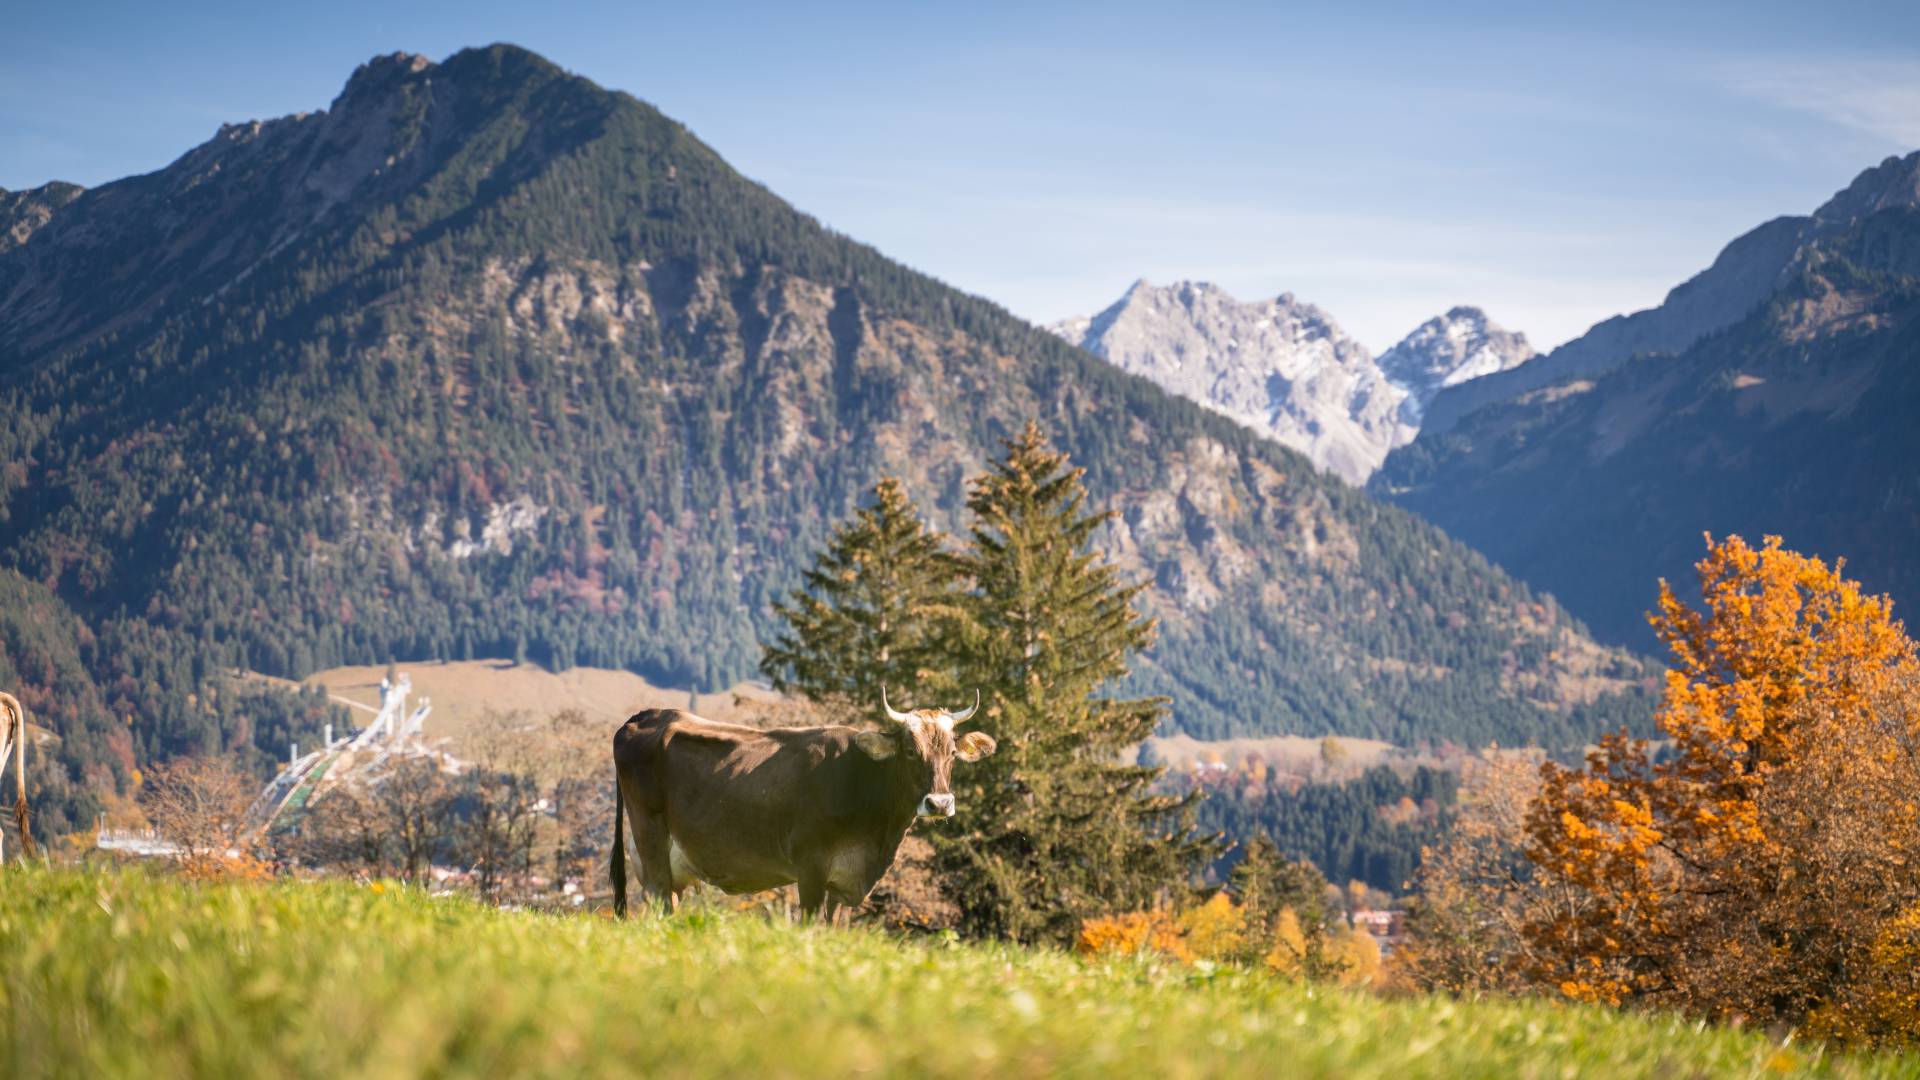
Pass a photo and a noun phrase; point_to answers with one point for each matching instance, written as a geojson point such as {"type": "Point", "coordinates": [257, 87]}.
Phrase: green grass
{"type": "Point", "coordinates": [122, 973]}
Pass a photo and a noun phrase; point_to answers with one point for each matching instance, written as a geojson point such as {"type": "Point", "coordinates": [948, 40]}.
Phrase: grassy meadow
{"type": "Point", "coordinates": [125, 973]}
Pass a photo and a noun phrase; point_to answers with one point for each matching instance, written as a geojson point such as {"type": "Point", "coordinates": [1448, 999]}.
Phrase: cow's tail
{"type": "Point", "coordinates": [617, 863]}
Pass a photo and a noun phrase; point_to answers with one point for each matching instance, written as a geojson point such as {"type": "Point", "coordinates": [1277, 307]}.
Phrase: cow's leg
{"type": "Point", "coordinates": [652, 844]}
{"type": "Point", "coordinates": [813, 892]}
{"type": "Point", "coordinates": [656, 859]}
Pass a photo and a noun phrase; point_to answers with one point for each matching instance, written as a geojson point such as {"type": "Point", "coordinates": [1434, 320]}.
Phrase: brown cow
{"type": "Point", "coordinates": [746, 809]}
{"type": "Point", "coordinates": [13, 737]}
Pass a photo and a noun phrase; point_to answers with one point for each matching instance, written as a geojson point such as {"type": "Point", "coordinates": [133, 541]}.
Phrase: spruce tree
{"type": "Point", "coordinates": [1055, 827]}
{"type": "Point", "coordinates": [1255, 881]}
{"type": "Point", "coordinates": [1265, 882]}
{"type": "Point", "coordinates": [876, 610]}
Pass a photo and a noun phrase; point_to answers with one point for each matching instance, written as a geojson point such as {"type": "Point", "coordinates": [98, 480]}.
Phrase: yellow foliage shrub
{"type": "Point", "coordinates": [223, 867]}
{"type": "Point", "coordinates": [1132, 934]}
{"type": "Point", "coordinates": [1349, 955]}
{"type": "Point", "coordinates": [1885, 1005]}
{"type": "Point", "coordinates": [1357, 954]}
{"type": "Point", "coordinates": [1215, 930]}
{"type": "Point", "coordinates": [1289, 953]}
{"type": "Point", "coordinates": [1218, 930]}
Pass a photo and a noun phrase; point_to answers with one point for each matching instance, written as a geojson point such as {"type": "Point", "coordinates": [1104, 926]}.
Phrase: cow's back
{"type": "Point", "coordinates": [664, 749]}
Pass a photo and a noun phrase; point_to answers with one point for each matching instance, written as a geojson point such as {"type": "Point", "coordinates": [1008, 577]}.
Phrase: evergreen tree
{"type": "Point", "coordinates": [1267, 884]}
{"type": "Point", "coordinates": [1058, 828]}
{"type": "Point", "coordinates": [1255, 880]}
{"type": "Point", "coordinates": [877, 610]}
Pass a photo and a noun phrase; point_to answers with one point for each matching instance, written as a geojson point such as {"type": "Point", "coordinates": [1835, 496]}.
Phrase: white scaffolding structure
{"type": "Point", "coordinates": [394, 730]}
{"type": "Point", "coordinates": [394, 725]}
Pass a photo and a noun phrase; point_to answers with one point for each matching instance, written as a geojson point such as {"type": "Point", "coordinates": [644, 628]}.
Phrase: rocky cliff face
{"type": "Point", "coordinates": [22, 213]}
{"type": "Point", "coordinates": [1284, 368]}
{"type": "Point", "coordinates": [1280, 367]}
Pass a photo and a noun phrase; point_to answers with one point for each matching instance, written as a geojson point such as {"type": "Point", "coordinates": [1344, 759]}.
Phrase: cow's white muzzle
{"type": "Point", "coordinates": [936, 806]}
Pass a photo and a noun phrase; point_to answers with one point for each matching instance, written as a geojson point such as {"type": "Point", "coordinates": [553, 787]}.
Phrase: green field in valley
{"type": "Point", "coordinates": [123, 973]}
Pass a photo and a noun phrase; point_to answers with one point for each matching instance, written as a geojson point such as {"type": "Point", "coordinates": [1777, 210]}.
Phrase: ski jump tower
{"type": "Point", "coordinates": [393, 729]}
{"type": "Point", "coordinates": [394, 725]}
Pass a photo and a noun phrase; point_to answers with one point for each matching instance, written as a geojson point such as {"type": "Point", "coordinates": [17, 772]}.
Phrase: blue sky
{"type": "Point", "coordinates": [1552, 165]}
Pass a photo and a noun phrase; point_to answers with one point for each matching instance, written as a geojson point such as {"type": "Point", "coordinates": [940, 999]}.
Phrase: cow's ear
{"type": "Point", "coordinates": [973, 746]}
{"type": "Point", "coordinates": [877, 745]}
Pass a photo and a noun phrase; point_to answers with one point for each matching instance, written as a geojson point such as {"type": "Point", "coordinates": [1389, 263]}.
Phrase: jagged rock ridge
{"type": "Point", "coordinates": [1286, 370]}
{"type": "Point", "coordinates": [1448, 350]}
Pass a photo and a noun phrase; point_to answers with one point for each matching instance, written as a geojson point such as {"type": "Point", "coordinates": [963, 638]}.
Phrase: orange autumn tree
{"type": "Point", "coordinates": [1690, 876]}
{"type": "Point", "coordinates": [1136, 933]}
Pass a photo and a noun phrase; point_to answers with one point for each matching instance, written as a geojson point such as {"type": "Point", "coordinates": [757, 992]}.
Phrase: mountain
{"type": "Point", "coordinates": [1746, 273]}
{"type": "Point", "coordinates": [1280, 367]}
{"type": "Point", "coordinates": [23, 212]}
{"type": "Point", "coordinates": [486, 361]}
{"type": "Point", "coordinates": [1447, 351]}
{"type": "Point", "coordinates": [1794, 417]}
{"type": "Point", "coordinates": [1286, 370]}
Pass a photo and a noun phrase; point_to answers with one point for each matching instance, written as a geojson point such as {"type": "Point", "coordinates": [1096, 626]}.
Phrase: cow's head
{"type": "Point", "coordinates": [923, 743]}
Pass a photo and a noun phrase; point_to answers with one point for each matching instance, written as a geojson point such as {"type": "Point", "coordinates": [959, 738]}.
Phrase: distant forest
{"type": "Point", "coordinates": [1370, 828]}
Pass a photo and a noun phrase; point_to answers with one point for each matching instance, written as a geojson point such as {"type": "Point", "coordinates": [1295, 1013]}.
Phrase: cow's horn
{"type": "Point", "coordinates": [893, 714]}
{"type": "Point", "coordinates": [961, 718]}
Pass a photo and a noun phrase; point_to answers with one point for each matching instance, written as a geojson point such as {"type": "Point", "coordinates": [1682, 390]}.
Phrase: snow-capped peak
{"type": "Point", "coordinates": [1281, 366]}
{"type": "Point", "coordinates": [1447, 350]}
{"type": "Point", "coordinates": [1284, 368]}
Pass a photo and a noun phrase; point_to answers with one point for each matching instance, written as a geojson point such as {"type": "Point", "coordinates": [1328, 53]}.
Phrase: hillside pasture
{"type": "Point", "coordinates": [121, 973]}
{"type": "Point", "coordinates": [1289, 753]}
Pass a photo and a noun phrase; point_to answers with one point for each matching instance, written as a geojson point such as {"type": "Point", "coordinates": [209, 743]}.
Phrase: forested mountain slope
{"type": "Point", "coordinates": [485, 360]}
{"type": "Point", "coordinates": [1797, 420]}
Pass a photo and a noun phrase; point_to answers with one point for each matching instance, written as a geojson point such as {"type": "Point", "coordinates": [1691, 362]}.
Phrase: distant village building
{"type": "Point", "coordinates": [1385, 927]}
{"type": "Point", "coordinates": [1211, 771]}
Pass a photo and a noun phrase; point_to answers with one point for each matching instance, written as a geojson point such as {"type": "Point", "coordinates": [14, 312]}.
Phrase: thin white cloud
{"type": "Point", "coordinates": [1878, 96]}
